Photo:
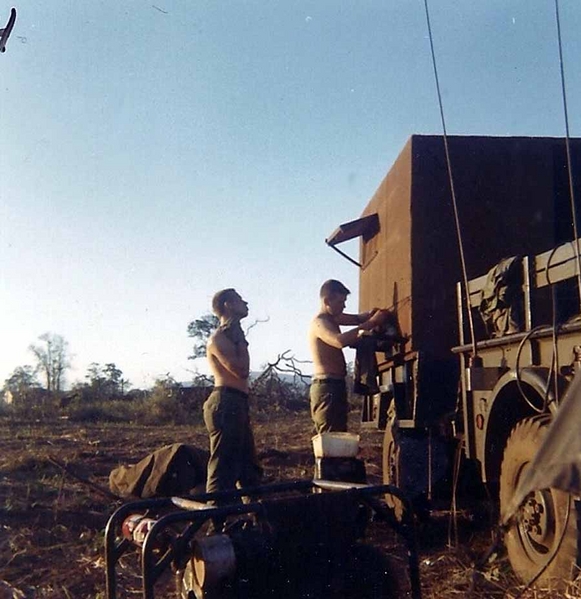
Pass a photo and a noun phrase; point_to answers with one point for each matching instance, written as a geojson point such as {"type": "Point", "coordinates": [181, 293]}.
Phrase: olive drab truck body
{"type": "Point", "coordinates": [482, 371]}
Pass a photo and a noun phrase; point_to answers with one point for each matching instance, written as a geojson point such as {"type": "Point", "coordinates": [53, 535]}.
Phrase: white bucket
{"type": "Point", "coordinates": [335, 445]}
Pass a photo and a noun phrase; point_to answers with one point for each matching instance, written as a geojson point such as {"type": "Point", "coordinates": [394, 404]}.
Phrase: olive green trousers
{"type": "Point", "coordinates": [232, 459]}
{"type": "Point", "coordinates": [329, 407]}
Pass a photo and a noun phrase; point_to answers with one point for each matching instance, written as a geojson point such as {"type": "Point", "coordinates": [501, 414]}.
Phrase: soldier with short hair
{"type": "Point", "coordinates": [328, 391]}
{"type": "Point", "coordinates": [226, 414]}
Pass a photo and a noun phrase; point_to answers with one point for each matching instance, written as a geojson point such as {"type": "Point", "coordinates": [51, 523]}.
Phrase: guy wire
{"type": "Point", "coordinates": [568, 147]}
{"type": "Point", "coordinates": [452, 190]}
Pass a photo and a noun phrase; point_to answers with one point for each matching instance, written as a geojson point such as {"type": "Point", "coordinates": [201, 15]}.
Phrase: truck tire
{"type": "Point", "coordinates": [546, 522]}
{"type": "Point", "coordinates": [406, 464]}
{"type": "Point", "coordinates": [391, 468]}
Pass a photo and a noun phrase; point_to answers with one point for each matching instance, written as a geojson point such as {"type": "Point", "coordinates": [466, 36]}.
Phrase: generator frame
{"type": "Point", "coordinates": [177, 553]}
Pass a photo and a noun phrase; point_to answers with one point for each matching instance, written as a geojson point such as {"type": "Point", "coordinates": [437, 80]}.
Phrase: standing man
{"type": "Point", "coordinates": [232, 454]}
{"type": "Point", "coordinates": [328, 390]}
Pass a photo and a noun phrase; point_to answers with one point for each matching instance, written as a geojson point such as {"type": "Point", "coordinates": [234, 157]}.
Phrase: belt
{"type": "Point", "coordinates": [231, 390]}
{"type": "Point", "coordinates": [327, 380]}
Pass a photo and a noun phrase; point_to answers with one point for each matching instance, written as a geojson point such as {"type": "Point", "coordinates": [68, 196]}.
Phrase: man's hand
{"type": "Point", "coordinates": [231, 357]}
{"type": "Point", "coordinates": [365, 316]}
{"type": "Point", "coordinates": [378, 319]}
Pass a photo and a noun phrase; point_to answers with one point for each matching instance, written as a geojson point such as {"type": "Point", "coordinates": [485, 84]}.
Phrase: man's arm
{"type": "Point", "coordinates": [328, 334]}
{"type": "Point", "coordinates": [351, 319]}
{"type": "Point", "coordinates": [233, 357]}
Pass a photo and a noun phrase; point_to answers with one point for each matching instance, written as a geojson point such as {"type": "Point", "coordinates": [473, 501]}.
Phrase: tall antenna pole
{"type": "Point", "coordinates": [453, 192]}
{"type": "Point", "coordinates": [568, 147]}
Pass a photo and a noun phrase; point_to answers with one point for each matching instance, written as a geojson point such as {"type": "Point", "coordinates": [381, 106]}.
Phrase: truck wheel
{"type": "Point", "coordinates": [547, 520]}
{"type": "Point", "coordinates": [392, 470]}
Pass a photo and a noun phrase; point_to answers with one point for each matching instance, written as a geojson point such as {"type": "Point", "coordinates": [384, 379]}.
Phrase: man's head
{"type": "Point", "coordinates": [228, 304]}
{"type": "Point", "coordinates": [333, 296]}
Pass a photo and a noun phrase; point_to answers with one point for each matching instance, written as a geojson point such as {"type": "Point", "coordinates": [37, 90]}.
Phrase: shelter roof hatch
{"type": "Point", "coordinates": [365, 227]}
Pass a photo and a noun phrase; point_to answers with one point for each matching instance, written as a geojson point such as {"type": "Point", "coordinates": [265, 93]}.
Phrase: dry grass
{"type": "Point", "coordinates": [51, 524]}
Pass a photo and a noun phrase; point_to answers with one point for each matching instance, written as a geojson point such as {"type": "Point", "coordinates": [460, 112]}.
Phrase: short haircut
{"type": "Point", "coordinates": [331, 287]}
{"type": "Point", "coordinates": [220, 299]}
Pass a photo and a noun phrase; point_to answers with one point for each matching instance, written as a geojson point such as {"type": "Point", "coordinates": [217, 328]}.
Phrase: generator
{"type": "Point", "coordinates": [299, 539]}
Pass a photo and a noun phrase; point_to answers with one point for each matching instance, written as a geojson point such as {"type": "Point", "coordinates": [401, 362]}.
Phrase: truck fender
{"type": "Point", "coordinates": [508, 406]}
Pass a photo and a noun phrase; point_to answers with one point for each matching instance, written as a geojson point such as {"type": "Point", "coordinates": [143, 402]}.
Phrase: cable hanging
{"type": "Point", "coordinates": [453, 192]}
{"type": "Point", "coordinates": [555, 363]}
{"type": "Point", "coordinates": [568, 147]}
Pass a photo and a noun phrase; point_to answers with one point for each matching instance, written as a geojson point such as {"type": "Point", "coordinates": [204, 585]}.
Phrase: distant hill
{"type": "Point", "coordinates": [286, 377]}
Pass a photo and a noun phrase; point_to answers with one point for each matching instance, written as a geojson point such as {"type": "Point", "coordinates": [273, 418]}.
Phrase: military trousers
{"type": "Point", "coordinates": [329, 407]}
{"type": "Point", "coordinates": [233, 460]}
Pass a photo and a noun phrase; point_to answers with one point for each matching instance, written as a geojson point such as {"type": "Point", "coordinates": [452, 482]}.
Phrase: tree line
{"type": "Point", "coordinates": [38, 389]}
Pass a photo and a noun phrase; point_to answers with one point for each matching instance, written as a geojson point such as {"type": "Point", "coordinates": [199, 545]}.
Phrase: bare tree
{"type": "Point", "coordinates": [286, 364]}
{"type": "Point", "coordinates": [52, 360]}
{"type": "Point", "coordinates": [272, 389]}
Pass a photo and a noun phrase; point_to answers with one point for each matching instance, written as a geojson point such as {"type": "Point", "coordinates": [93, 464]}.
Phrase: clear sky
{"type": "Point", "coordinates": [153, 152]}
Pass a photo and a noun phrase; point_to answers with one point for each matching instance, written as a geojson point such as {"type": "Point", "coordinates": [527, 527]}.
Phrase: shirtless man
{"type": "Point", "coordinates": [328, 390]}
{"type": "Point", "coordinates": [232, 454]}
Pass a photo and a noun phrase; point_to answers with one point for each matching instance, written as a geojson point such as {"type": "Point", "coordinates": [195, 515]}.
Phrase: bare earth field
{"type": "Point", "coordinates": [52, 523]}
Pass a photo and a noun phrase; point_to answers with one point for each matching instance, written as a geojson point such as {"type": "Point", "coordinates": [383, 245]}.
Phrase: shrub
{"type": "Point", "coordinates": [104, 411]}
{"type": "Point", "coordinates": [270, 393]}
{"type": "Point", "coordinates": [170, 403]}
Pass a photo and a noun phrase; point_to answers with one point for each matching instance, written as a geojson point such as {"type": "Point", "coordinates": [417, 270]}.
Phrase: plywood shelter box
{"type": "Point", "coordinates": [513, 199]}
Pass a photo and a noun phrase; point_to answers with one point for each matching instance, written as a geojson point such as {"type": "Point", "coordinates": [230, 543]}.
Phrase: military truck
{"type": "Point", "coordinates": [486, 357]}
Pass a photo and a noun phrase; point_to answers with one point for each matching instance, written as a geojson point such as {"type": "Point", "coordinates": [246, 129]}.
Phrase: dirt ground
{"type": "Point", "coordinates": [52, 523]}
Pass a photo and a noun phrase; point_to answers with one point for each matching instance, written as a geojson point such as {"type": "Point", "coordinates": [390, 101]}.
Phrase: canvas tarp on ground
{"type": "Point", "coordinates": [171, 470]}
{"type": "Point", "coordinates": [557, 463]}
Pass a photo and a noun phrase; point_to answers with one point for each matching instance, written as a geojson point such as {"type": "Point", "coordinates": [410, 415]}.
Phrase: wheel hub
{"type": "Point", "coordinates": [537, 523]}
{"type": "Point", "coordinates": [535, 517]}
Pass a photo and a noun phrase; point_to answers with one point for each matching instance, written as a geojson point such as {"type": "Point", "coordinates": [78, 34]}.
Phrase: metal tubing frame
{"type": "Point", "coordinates": [152, 568]}
{"type": "Point", "coordinates": [113, 550]}
{"type": "Point", "coordinates": [406, 528]}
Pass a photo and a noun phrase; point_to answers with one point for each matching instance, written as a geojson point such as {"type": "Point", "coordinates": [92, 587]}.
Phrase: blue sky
{"type": "Point", "coordinates": [155, 152]}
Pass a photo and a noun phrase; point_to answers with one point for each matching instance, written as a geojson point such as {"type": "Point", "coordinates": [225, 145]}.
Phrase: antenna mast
{"type": "Point", "coordinates": [453, 192]}
{"type": "Point", "coordinates": [568, 147]}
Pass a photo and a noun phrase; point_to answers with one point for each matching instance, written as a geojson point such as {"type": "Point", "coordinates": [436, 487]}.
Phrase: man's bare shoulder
{"type": "Point", "coordinates": [323, 317]}
{"type": "Point", "coordinates": [322, 322]}
{"type": "Point", "coordinates": [318, 320]}
{"type": "Point", "coordinates": [215, 335]}
{"type": "Point", "coordinates": [217, 340]}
